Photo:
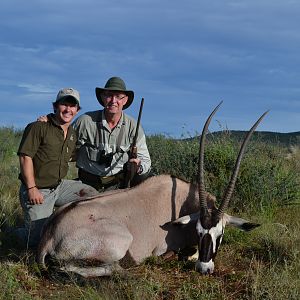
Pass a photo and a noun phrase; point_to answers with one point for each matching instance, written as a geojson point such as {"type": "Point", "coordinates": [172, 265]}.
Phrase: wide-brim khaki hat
{"type": "Point", "coordinates": [115, 84]}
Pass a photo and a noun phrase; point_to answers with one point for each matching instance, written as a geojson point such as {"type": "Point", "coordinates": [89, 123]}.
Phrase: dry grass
{"type": "Point", "coordinates": [263, 264]}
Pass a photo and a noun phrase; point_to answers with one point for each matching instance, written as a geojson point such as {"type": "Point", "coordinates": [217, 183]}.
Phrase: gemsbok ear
{"type": "Point", "coordinates": [188, 219]}
{"type": "Point", "coordinates": [240, 223]}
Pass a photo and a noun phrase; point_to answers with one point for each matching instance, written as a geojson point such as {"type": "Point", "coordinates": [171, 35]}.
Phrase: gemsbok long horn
{"type": "Point", "coordinates": [201, 185]}
{"type": "Point", "coordinates": [230, 187]}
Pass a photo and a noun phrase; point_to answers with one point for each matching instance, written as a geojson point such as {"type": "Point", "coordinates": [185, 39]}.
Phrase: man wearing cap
{"type": "Point", "coordinates": [104, 138]}
{"type": "Point", "coordinates": [44, 153]}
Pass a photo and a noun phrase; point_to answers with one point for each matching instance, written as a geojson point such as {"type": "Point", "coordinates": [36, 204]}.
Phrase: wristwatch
{"type": "Point", "coordinates": [140, 170]}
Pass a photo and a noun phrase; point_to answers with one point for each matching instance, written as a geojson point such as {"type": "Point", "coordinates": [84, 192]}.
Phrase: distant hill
{"type": "Point", "coordinates": [284, 139]}
{"type": "Point", "coordinates": [287, 139]}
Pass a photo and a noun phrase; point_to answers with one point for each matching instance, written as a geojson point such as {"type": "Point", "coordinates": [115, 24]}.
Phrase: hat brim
{"type": "Point", "coordinates": [68, 98]}
{"type": "Point", "coordinates": [130, 95]}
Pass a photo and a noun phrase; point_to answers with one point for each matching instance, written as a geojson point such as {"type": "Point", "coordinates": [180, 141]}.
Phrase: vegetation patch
{"type": "Point", "coordinates": [262, 264]}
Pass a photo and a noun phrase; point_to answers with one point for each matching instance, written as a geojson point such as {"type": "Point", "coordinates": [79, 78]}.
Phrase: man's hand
{"type": "Point", "coordinates": [134, 165]}
{"type": "Point", "coordinates": [42, 118]}
{"type": "Point", "coordinates": [35, 196]}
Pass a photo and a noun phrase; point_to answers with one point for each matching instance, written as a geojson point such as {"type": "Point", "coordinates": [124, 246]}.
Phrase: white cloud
{"type": "Point", "coordinates": [36, 88]}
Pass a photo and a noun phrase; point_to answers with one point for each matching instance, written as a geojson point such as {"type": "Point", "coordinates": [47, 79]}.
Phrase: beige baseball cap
{"type": "Point", "coordinates": [68, 92]}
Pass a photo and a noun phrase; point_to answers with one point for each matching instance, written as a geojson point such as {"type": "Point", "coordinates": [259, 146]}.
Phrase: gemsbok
{"type": "Point", "coordinates": [115, 230]}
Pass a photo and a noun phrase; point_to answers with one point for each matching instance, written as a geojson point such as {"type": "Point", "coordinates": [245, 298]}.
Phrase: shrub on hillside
{"type": "Point", "coordinates": [266, 177]}
{"type": "Point", "coordinates": [9, 142]}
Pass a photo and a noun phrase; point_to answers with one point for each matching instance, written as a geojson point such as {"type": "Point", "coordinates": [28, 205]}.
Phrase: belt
{"type": "Point", "coordinates": [52, 187]}
{"type": "Point", "coordinates": [108, 179]}
{"type": "Point", "coordinates": [103, 180]}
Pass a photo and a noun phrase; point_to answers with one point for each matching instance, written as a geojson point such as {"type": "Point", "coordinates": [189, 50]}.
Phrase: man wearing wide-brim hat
{"type": "Point", "coordinates": [104, 138]}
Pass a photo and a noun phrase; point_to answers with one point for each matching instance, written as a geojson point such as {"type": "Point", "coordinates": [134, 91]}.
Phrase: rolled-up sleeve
{"type": "Point", "coordinates": [142, 152]}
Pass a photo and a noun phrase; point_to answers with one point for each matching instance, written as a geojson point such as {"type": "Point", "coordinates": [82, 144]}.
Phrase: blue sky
{"type": "Point", "coordinates": [183, 57]}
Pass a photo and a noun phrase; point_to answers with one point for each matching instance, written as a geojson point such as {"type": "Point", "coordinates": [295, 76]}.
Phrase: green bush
{"type": "Point", "coordinates": [9, 165]}
{"type": "Point", "coordinates": [171, 156]}
{"type": "Point", "coordinates": [9, 142]}
{"type": "Point", "coordinates": [266, 177]}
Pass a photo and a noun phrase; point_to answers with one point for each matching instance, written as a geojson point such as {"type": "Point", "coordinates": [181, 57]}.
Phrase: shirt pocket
{"type": "Point", "coordinates": [53, 151]}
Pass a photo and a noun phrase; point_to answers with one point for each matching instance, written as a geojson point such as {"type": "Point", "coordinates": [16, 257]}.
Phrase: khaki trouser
{"type": "Point", "coordinates": [36, 215]}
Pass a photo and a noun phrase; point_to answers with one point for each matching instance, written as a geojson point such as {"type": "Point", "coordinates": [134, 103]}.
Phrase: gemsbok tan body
{"type": "Point", "coordinates": [121, 228]}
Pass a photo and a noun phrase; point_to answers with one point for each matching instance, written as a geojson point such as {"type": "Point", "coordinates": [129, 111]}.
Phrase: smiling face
{"type": "Point", "coordinates": [114, 102]}
{"type": "Point", "coordinates": [65, 111]}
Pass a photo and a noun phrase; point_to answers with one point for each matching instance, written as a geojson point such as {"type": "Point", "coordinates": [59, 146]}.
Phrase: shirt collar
{"type": "Point", "coordinates": [104, 122]}
{"type": "Point", "coordinates": [52, 118]}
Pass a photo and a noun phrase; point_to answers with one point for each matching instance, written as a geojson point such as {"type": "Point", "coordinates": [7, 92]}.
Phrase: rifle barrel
{"type": "Point", "coordinates": [138, 122]}
{"type": "Point", "coordinates": [133, 150]}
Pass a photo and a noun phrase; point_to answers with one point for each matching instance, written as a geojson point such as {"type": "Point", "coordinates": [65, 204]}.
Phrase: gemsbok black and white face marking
{"type": "Point", "coordinates": [210, 238]}
{"type": "Point", "coordinates": [211, 222]}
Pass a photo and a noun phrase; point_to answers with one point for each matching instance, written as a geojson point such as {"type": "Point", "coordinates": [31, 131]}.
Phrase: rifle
{"type": "Point", "coordinates": [133, 149]}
